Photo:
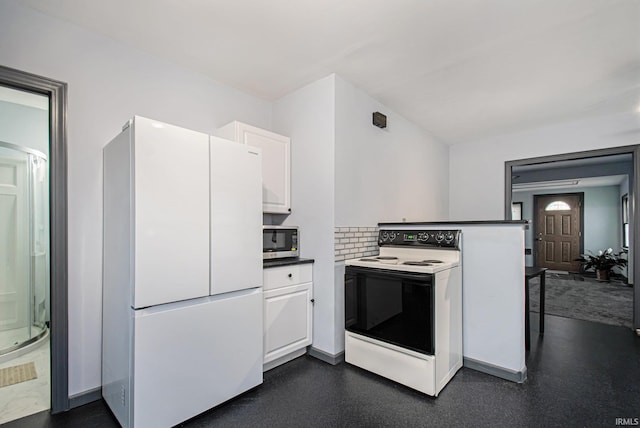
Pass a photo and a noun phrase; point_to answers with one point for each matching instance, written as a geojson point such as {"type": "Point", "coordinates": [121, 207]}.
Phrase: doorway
{"type": "Point", "coordinates": [558, 231]}
{"type": "Point", "coordinates": [630, 153]}
{"type": "Point", "coordinates": [56, 93]}
{"type": "Point", "coordinates": [24, 251]}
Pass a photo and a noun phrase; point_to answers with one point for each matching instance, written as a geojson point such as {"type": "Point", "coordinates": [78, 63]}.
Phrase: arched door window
{"type": "Point", "coordinates": [557, 206]}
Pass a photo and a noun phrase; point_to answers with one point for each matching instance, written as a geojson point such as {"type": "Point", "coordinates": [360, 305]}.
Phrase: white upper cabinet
{"type": "Point", "coordinates": [276, 163]}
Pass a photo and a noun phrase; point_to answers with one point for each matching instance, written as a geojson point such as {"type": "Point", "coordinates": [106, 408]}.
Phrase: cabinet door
{"type": "Point", "coordinates": [287, 316]}
{"type": "Point", "coordinates": [171, 194]}
{"type": "Point", "coordinates": [276, 166]}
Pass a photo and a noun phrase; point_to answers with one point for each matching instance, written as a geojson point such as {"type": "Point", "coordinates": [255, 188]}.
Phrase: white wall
{"type": "Point", "coordinates": [346, 172]}
{"type": "Point", "coordinates": [476, 169]}
{"type": "Point", "coordinates": [307, 116]}
{"type": "Point", "coordinates": [108, 84]}
{"type": "Point", "coordinates": [602, 217]}
{"type": "Point", "coordinates": [382, 175]}
{"type": "Point", "coordinates": [385, 175]}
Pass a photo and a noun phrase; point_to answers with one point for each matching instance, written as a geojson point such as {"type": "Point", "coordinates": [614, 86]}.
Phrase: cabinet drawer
{"type": "Point", "coordinates": [286, 275]}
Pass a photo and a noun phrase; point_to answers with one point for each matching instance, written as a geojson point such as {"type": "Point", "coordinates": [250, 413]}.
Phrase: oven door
{"type": "Point", "coordinates": [392, 306]}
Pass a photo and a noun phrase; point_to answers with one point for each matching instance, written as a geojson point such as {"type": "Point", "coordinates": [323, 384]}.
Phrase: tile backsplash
{"type": "Point", "coordinates": [354, 242]}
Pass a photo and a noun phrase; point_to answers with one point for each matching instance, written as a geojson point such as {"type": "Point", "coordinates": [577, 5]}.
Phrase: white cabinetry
{"type": "Point", "coordinates": [288, 294]}
{"type": "Point", "coordinates": [276, 163]}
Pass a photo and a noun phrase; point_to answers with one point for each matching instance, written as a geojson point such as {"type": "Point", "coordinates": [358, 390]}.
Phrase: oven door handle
{"type": "Point", "coordinates": [415, 276]}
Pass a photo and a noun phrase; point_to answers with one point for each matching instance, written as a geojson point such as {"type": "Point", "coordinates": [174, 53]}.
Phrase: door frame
{"type": "Point", "coordinates": [534, 227]}
{"type": "Point", "coordinates": [59, 328]}
{"type": "Point", "coordinates": [634, 201]}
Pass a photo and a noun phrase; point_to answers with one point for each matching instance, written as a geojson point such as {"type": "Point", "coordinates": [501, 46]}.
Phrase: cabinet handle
{"type": "Point", "coordinates": [290, 275]}
{"type": "Point", "coordinates": [313, 300]}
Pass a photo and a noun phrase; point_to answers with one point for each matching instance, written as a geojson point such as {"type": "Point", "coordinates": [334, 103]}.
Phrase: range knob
{"type": "Point", "coordinates": [393, 235]}
{"type": "Point", "coordinates": [448, 237]}
{"type": "Point", "coordinates": [423, 236]}
{"type": "Point", "coordinates": [439, 237]}
{"type": "Point", "coordinates": [384, 236]}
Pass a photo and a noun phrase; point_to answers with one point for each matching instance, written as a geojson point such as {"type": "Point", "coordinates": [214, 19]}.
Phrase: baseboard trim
{"type": "Point", "coordinates": [326, 357]}
{"type": "Point", "coordinates": [85, 397]}
{"type": "Point", "coordinates": [501, 372]}
{"type": "Point", "coordinates": [284, 359]}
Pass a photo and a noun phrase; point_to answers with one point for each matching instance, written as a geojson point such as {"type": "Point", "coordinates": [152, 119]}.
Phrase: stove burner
{"type": "Point", "coordinates": [416, 263]}
{"type": "Point", "coordinates": [368, 260]}
{"type": "Point", "coordinates": [390, 260]}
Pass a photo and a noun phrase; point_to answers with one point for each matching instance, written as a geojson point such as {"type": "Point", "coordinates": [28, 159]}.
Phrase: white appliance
{"type": "Point", "coordinates": [182, 277]}
{"type": "Point", "coordinates": [403, 308]}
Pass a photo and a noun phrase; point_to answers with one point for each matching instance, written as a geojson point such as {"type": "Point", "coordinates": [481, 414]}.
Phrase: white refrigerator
{"type": "Point", "coordinates": [182, 275]}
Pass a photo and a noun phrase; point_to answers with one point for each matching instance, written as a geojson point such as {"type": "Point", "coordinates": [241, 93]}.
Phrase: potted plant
{"type": "Point", "coordinates": [603, 263]}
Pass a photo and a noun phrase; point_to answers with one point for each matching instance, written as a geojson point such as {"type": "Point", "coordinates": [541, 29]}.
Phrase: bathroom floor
{"type": "Point", "coordinates": [26, 398]}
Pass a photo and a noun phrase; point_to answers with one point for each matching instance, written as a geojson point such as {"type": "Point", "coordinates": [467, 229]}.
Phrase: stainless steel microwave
{"type": "Point", "coordinates": [280, 242]}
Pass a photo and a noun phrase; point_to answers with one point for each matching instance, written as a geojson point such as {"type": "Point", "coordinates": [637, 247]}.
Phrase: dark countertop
{"type": "Point", "coordinates": [461, 223]}
{"type": "Point", "coordinates": [285, 262]}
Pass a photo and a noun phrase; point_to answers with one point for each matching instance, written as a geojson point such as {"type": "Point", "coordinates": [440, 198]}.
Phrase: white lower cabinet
{"type": "Point", "coordinates": [288, 294]}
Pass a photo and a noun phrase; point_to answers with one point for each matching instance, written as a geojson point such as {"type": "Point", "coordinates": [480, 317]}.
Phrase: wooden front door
{"type": "Point", "coordinates": [558, 231]}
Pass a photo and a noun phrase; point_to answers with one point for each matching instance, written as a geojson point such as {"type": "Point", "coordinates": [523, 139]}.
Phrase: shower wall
{"type": "Point", "coordinates": [24, 125]}
{"type": "Point", "coordinates": [14, 242]}
{"type": "Point", "coordinates": [24, 246]}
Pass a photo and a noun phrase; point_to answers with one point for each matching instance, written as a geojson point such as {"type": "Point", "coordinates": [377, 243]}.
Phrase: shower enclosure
{"type": "Point", "coordinates": [24, 246]}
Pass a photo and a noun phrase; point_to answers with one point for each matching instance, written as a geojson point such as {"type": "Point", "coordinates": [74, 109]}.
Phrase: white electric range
{"type": "Point", "coordinates": [403, 308]}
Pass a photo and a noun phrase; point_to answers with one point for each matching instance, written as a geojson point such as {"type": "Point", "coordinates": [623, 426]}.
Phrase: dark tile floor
{"type": "Point", "coordinates": [581, 374]}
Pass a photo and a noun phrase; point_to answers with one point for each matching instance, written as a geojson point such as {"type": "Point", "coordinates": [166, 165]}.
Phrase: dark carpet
{"type": "Point", "coordinates": [584, 298]}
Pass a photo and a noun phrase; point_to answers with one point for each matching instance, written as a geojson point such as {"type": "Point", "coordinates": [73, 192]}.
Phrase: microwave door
{"type": "Point", "coordinates": [278, 242]}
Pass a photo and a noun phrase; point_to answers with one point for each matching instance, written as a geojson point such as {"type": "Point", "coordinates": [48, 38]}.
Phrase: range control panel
{"type": "Point", "coordinates": [422, 238]}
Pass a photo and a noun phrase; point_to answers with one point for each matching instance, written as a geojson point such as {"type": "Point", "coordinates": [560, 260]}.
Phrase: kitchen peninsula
{"type": "Point", "coordinates": [493, 318]}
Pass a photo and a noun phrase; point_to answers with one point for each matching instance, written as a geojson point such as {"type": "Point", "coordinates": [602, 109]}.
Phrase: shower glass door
{"type": "Point", "coordinates": [24, 218]}
{"type": "Point", "coordinates": [14, 249]}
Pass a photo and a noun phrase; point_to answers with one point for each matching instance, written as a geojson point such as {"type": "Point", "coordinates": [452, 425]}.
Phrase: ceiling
{"type": "Point", "coordinates": [460, 69]}
{"type": "Point", "coordinates": [575, 173]}
{"type": "Point", "coordinates": [579, 183]}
